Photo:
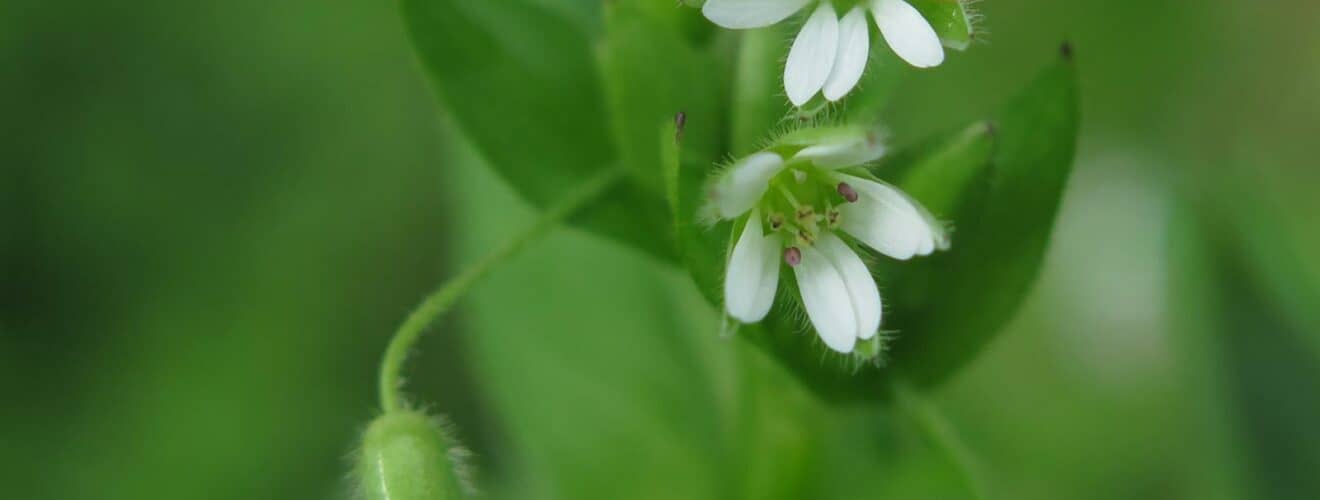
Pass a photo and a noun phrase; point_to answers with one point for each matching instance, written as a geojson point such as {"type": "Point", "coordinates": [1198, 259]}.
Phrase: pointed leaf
{"type": "Point", "coordinates": [997, 252]}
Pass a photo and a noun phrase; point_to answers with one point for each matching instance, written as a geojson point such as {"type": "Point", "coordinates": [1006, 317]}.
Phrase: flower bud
{"type": "Point", "coordinates": [952, 20]}
{"type": "Point", "coordinates": [409, 456]}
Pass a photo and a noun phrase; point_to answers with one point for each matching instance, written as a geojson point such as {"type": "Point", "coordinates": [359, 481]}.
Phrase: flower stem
{"type": "Point", "coordinates": [440, 300]}
{"type": "Point", "coordinates": [942, 435]}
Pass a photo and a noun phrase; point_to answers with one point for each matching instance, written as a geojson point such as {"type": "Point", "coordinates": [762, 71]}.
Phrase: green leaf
{"type": "Point", "coordinates": [531, 102]}
{"type": "Point", "coordinates": [950, 20]}
{"type": "Point", "coordinates": [1000, 243]}
{"type": "Point", "coordinates": [651, 74]}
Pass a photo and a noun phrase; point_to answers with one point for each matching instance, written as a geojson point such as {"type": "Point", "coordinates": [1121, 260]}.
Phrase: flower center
{"type": "Point", "coordinates": [801, 202]}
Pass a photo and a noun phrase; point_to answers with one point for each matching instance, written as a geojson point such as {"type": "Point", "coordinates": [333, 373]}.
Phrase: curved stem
{"type": "Point", "coordinates": [942, 435]}
{"type": "Point", "coordinates": [440, 300]}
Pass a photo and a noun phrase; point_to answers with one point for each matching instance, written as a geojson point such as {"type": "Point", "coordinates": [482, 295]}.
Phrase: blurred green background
{"type": "Point", "coordinates": [212, 215]}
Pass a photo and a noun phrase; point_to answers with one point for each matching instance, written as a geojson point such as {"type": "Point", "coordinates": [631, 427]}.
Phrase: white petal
{"type": "Point", "coordinates": [826, 299]}
{"type": "Point", "coordinates": [887, 220]}
{"type": "Point", "coordinates": [879, 226]}
{"type": "Point", "coordinates": [812, 55]}
{"type": "Point", "coordinates": [753, 274]}
{"type": "Point", "coordinates": [907, 33]}
{"type": "Point", "coordinates": [744, 14]}
{"type": "Point", "coordinates": [849, 151]}
{"type": "Point", "coordinates": [861, 286]}
{"type": "Point", "coordinates": [745, 182]}
{"type": "Point", "coordinates": [850, 58]}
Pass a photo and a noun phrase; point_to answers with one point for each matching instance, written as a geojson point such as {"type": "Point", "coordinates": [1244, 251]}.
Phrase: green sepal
{"type": "Point", "coordinates": [650, 74]}
{"type": "Point", "coordinates": [951, 21]}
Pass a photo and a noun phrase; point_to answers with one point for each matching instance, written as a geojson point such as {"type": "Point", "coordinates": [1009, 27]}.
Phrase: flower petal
{"type": "Point", "coordinates": [744, 183]}
{"type": "Point", "coordinates": [887, 220]}
{"type": "Point", "coordinates": [862, 291]}
{"type": "Point", "coordinates": [825, 296]}
{"type": "Point", "coordinates": [881, 227]}
{"type": "Point", "coordinates": [753, 274]}
{"type": "Point", "coordinates": [854, 149]}
{"type": "Point", "coordinates": [745, 14]}
{"type": "Point", "coordinates": [812, 55]}
{"type": "Point", "coordinates": [850, 58]}
{"type": "Point", "coordinates": [907, 33]}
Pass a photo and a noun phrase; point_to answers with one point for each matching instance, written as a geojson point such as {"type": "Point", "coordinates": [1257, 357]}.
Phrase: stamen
{"type": "Point", "coordinates": [802, 235]}
{"type": "Point", "coordinates": [806, 215]}
{"type": "Point", "coordinates": [832, 218]}
{"type": "Point", "coordinates": [806, 237]}
{"type": "Point", "coordinates": [792, 256]}
{"type": "Point", "coordinates": [776, 221]}
{"type": "Point", "coordinates": [847, 192]}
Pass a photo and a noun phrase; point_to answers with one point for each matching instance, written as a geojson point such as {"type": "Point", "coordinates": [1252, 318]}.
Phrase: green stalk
{"type": "Point", "coordinates": [443, 298]}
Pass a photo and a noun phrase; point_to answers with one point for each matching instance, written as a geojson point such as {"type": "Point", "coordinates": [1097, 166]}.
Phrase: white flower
{"type": "Point", "coordinates": [794, 202]}
{"type": "Point", "coordinates": [829, 54]}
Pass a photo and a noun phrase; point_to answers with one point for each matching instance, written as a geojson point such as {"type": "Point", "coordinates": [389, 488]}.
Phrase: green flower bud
{"type": "Point", "coordinates": [953, 21]}
{"type": "Point", "coordinates": [409, 456]}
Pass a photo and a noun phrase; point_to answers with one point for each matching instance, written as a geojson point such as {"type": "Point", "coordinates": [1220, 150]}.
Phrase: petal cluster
{"type": "Point", "coordinates": [799, 203]}
{"type": "Point", "coordinates": [829, 54]}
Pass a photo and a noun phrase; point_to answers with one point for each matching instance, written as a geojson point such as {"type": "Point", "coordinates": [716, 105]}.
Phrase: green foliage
{"type": "Point", "coordinates": [1001, 238]}
{"type": "Point", "coordinates": [532, 102]}
{"type": "Point", "coordinates": [563, 99]}
{"type": "Point", "coordinates": [212, 217]}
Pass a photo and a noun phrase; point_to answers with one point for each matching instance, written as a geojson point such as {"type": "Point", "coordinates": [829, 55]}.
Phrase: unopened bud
{"type": "Point", "coordinates": [408, 456]}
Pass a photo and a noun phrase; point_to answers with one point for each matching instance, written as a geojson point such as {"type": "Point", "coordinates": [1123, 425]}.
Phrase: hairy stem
{"type": "Point", "coordinates": [440, 300]}
{"type": "Point", "coordinates": [942, 435]}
